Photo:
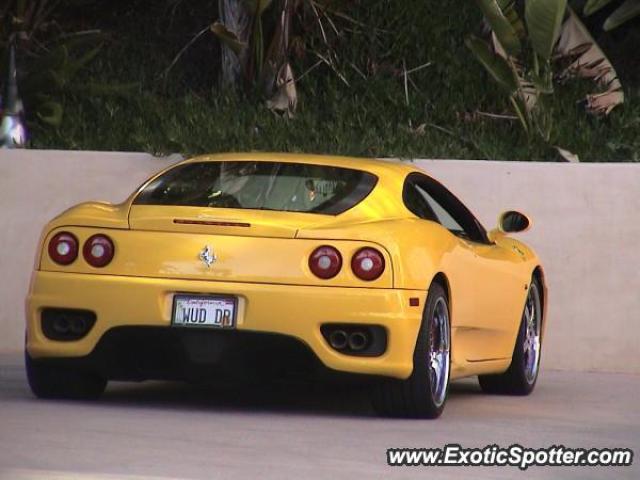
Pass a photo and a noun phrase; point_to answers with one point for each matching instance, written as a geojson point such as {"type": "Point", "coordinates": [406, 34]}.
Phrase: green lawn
{"type": "Point", "coordinates": [185, 112]}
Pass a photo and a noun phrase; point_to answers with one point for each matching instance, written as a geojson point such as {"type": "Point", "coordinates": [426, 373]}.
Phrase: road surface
{"type": "Point", "coordinates": [164, 431]}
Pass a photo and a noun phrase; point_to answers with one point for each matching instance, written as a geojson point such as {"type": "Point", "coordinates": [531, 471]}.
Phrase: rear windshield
{"type": "Point", "coordinates": [287, 187]}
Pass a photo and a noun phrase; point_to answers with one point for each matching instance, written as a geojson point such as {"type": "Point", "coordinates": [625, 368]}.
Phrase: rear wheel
{"type": "Point", "coordinates": [521, 377]}
{"type": "Point", "coordinates": [47, 381]}
{"type": "Point", "coordinates": [424, 393]}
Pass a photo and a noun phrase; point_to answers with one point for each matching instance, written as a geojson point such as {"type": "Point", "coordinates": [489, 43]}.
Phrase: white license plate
{"type": "Point", "coordinates": [204, 311]}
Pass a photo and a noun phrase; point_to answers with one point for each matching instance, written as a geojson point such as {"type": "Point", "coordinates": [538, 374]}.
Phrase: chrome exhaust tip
{"type": "Point", "coordinates": [358, 341]}
{"type": "Point", "coordinates": [338, 339]}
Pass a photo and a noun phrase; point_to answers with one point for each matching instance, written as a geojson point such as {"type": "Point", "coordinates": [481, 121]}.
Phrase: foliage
{"type": "Point", "coordinates": [245, 61]}
{"type": "Point", "coordinates": [356, 103]}
{"type": "Point", "coordinates": [49, 60]}
{"type": "Point", "coordinates": [525, 54]}
{"type": "Point", "coordinates": [520, 57]}
{"type": "Point", "coordinates": [627, 10]}
{"type": "Point", "coordinates": [259, 37]}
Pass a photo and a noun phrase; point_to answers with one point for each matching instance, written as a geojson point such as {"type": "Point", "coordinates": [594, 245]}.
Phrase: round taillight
{"type": "Point", "coordinates": [98, 250]}
{"type": "Point", "coordinates": [367, 264]}
{"type": "Point", "coordinates": [63, 248]}
{"type": "Point", "coordinates": [325, 262]}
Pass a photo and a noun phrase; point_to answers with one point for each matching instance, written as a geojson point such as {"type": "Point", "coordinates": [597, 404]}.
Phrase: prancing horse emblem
{"type": "Point", "coordinates": [208, 256]}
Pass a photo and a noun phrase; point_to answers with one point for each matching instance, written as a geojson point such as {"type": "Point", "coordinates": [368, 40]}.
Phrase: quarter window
{"type": "Point", "coordinates": [430, 200]}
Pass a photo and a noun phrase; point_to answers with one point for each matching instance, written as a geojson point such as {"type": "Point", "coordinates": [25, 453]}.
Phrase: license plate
{"type": "Point", "coordinates": [204, 311]}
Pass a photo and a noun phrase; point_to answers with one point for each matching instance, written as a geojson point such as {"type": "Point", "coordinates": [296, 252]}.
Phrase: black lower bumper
{"type": "Point", "coordinates": [195, 355]}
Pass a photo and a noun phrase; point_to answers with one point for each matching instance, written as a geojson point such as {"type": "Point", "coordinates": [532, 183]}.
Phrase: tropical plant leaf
{"type": "Point", "coordinates": [497, 66]}
{"type": "Point", "coordinates": [52, 60]}
{"type": "Point", "coordinates": [592, 6]}
{"type": "Point", "coordinates": [508, 7]}
{"type": "Point", "coordinates": [72, 67]}
{"type": "Point", "coordinates": [592, 63]}
{"type": "Point", "coordinates": [277, 53]}
{"type": "Point", "coordinates": [229, 38]}
{"type": "Point", "coordinates": [50, 113]}
{"type": "Point", "coordinates": [544, 20]}
{"type": "Point", "coordinates": [257, 6]}
{"type": "Point", "coordinates": [567, 155]}
{"type": "Point", "coordinates": [625, 12]}
{"type": "Point", "coordinates": [526, 90]}
{"type": "Point", "coordinates": [502, 27]}
{"type": "Point", "coordinates": [520, 108]}
{"type": "Point", "coordinates": [285, 99]}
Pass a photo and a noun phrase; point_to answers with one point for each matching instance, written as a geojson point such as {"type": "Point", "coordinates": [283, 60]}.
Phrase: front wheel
{"type": "Point", "coordinates": [424, 393]}
{"type": "Point", "coordinates": [48, 381]}
{"type": "Point", "coordinates": [521, 377]}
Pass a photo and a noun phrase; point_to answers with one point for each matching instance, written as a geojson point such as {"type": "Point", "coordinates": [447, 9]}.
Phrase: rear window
{"type": "Point", "coordinates": [287, 187]}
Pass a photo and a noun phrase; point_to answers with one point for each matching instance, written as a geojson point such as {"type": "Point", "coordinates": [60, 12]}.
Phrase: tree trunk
{"type": "Point", "coordinates": [235, 16]}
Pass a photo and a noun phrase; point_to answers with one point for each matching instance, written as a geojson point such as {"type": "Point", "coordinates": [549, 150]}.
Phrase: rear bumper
{"type": "Point", "coordinates": [292, 311]}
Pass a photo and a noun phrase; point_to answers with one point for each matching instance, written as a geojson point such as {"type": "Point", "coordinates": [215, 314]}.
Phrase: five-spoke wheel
{"type": "Point", "coordinates": [520, 378]}
{"type": "Point", "coordinates": [424, 393]}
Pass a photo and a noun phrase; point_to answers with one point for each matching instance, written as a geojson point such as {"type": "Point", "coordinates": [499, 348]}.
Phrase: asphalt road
{"type": "Point", "coordinates": [162, 430]}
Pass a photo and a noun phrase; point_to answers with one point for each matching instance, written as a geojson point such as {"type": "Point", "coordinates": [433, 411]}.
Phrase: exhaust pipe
{"type": "Point", "coordinates": [358, 341]}
{"type": "Point", "coordinates": [61, 325]}
{"type": "Point", "coordinates": [338, 339]}
{"type": "Point", "coordinates": [78, 326]}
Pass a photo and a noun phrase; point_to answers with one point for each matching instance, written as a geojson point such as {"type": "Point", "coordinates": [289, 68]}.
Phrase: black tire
{"type": "Point", "coordinates": [48, 381]}
{"type": "Point", "coordinates": [518, 379]}
{"type": "Point", "coordinates": [414, 397]}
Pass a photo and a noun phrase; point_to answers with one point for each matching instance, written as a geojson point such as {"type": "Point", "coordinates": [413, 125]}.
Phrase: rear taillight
{"type": "Point", "coordinates": [367, 264]}
{"type": "Point", "coordinates": [63, 248]}
{"type": "Point", "coordinates": [325, 262]}
{"type": "Point", "coordinates": [98, 250]}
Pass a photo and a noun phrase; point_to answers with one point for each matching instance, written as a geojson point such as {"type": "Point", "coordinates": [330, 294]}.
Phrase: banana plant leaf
{"type": "Point", "coordinates": [500, 24]}
{"type": "Point", "coordinates": [257, 6]}
{"type": "Point", "coordinates": [285, 99]}
{"type": "Point", "coordinates": [229, 38]}
{"type": "Point", "coordinates": [625, 12]}
{"type": "Point", "coordinates": [592, 6]}
{"type": "Point", "coordinates": [497, 66]}
{"type": "Point", "coordinates": [544, 20]}
{"type": "Point", "coordinates": [50, 112]}
{"type": "Point", "coordinates": [527, 92]}
{"type": "Point", "coordinates": [508, 7]}
{"type": "Point", "coordinates": [590, 62]}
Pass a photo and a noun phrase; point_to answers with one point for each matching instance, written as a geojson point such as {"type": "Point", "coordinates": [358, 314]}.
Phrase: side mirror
{"type": "Point", "coordinates": [512, 221]}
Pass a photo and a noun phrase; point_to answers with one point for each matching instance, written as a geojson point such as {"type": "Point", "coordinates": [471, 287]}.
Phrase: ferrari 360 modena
{"type": "Point", "coordinates": [286, 264]}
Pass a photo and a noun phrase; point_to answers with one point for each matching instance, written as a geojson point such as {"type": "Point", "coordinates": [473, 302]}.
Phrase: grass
{"type": "Point", "coordinates": [185, 112]}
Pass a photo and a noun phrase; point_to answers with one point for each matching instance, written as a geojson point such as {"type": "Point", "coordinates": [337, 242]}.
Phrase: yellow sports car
{"type": "Point", "coordinates": [257, 264]}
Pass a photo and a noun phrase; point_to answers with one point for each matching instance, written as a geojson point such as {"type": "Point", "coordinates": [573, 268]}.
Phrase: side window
{"type": "Point", "coordinates": [442, 216]}
{"type": "Point", "coordinates": [428, 199]}
{"type": "Point", "coordinates": [416, 202]}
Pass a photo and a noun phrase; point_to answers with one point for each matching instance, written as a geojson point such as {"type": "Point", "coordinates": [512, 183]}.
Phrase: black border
{"type": "Point", "coordinates": [205, 327]}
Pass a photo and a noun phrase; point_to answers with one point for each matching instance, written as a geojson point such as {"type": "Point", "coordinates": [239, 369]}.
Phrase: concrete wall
{"type": "Point", "coordinates": [587, 233]}
{"type": "Point", "coordinates": [586, 230]}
